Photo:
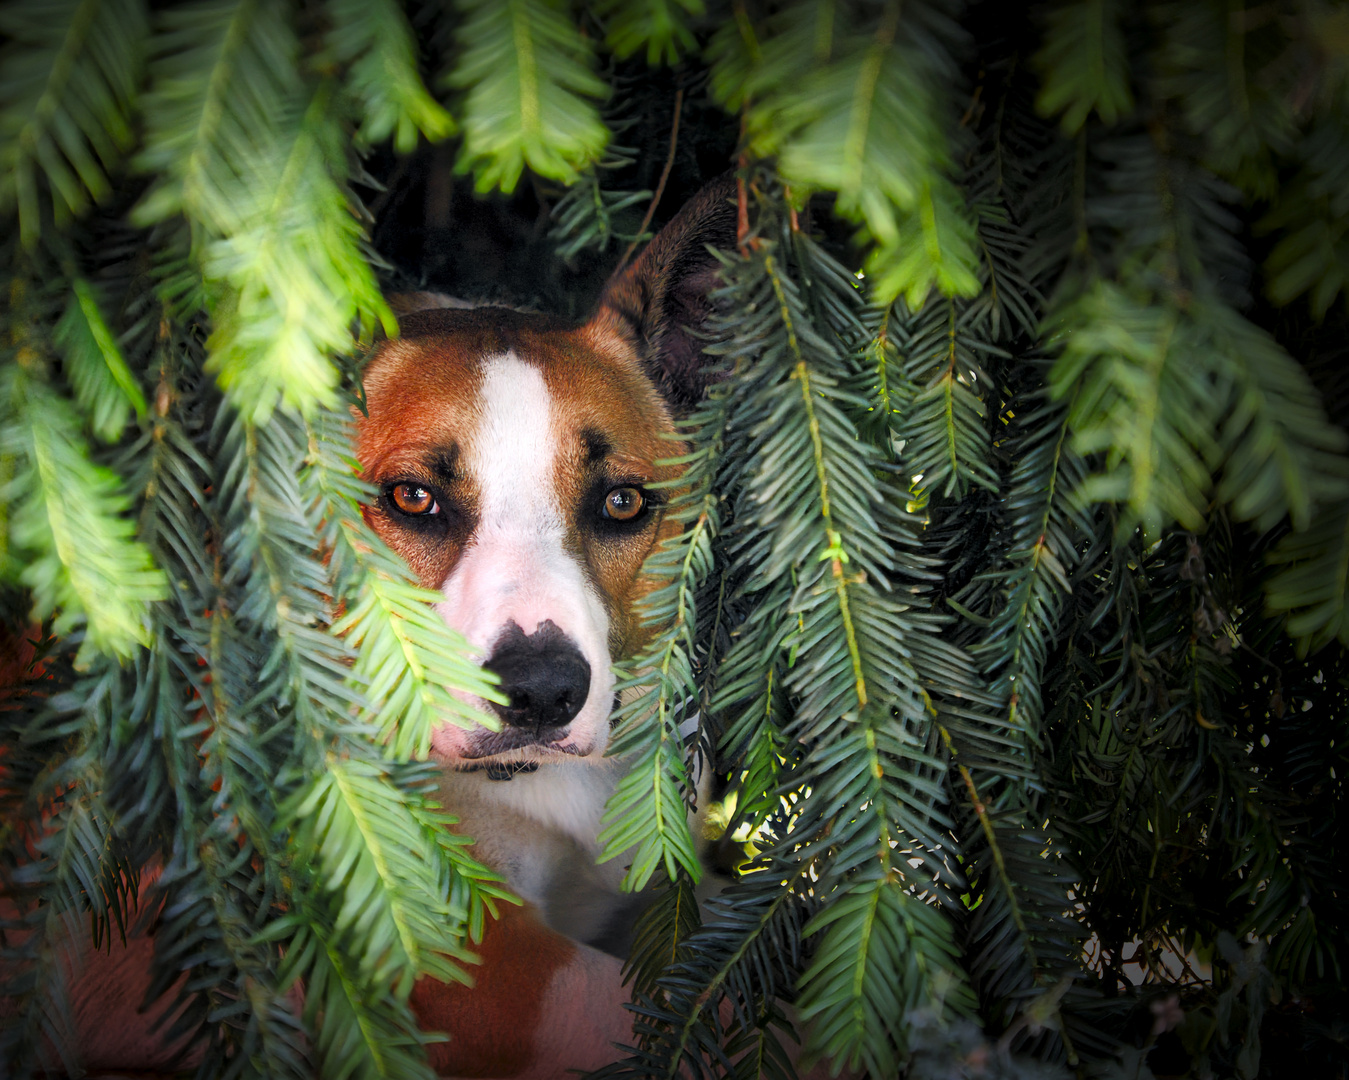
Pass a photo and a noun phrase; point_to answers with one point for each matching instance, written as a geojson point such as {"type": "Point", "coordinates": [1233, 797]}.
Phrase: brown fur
{"type": "Point", "coordinates": [519, 959]}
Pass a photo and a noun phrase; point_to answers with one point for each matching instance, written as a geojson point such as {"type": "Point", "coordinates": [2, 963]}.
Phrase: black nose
{"type": "Point", "coordinates": [543, 674]}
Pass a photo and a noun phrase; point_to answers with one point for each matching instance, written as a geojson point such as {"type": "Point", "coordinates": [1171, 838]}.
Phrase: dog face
{"type": "Point", "coordinates": [515, 459]}
{"type": "Point", "coordinates": [515, 462]}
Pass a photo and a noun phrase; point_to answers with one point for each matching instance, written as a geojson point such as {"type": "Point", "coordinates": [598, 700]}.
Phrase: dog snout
{"type": "Point", "coordinates": [543, 674]}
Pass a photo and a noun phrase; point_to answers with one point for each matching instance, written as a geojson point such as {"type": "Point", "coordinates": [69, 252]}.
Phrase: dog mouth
{"type": "Point", "coordinates": [524, 744]}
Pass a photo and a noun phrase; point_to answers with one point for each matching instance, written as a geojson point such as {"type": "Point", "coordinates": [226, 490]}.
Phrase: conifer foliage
{"type": "Point", "coordinates": [1013, 590]}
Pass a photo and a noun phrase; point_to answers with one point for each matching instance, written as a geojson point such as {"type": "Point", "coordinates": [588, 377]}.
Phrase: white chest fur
{"type": "Point", "coordinates": [540, 831]}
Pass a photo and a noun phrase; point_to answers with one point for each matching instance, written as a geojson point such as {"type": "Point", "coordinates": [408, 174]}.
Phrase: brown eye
{"type": "Point", "coordinates": [623, 504]}
{"type": "Point", "coordinates": [413, 499]}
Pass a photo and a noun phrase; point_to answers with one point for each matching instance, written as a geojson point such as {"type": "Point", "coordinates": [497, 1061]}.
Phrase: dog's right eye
{"type": "Point", "coordinates": [413, 499]}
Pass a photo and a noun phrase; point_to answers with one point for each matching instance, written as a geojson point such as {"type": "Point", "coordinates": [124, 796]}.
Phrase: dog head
{"type": "Point", "coordinates": [515, 458]}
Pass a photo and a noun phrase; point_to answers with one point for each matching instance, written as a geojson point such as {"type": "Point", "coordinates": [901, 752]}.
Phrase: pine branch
{"type": "Point", "coordinates": [379, 865]}
{"type": "Point", "coordinates": [944, 426]}
{"type": "Point", "coordinates": [373, 39]}
{"type": "Point", "coordinates": [1142, 403]}
{"type": "Point", "coordinates": [1309, 219]}
{"type": "Point", "coordinates": [105, 388]}
{"type": "Point", "coordinates": [1047, 524]}
{"type": "Point", "coordinates": [252, 156]}
{"type": "Point", "coordinates": [1222, 72]}
{"type": "Point", "coordinates": [268, 549]}
{"type": "Point", "coordinates": [747, 952]}
{"type": "Point", "coordinates": [530, 93]}
{"type": "Point", "coordinates": [73, 69]}
{"type": "Point", "coordinates": [589, 216]}
{"type": "Point", "coordinates": [852, 109]}
{"type": "Point", "coordinates": [658, 26]}
{"type": "Point", "coordinates": [846, 672]}
{"type": "Point", "coordinates": [359, 1037]}
{"type": "Point", "coordinates": [82, 560]}
{"type": "Point", "coordinates": [1313, 586]}
{"type": "Point", "coordinates": [1085, 64]}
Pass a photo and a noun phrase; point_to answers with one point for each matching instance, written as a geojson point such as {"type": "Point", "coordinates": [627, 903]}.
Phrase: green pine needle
{"type": "Point", "coordinates": [1085, 64]}
{"type": "Point", "coordinates": [104, 386]}
{"type": "Point", "coordinates": [530, 93]}
{"type": "Point", "coordinates": [73, 69]}
{"type": "Point", "coordinates": [83, 562]}
{"type": "Point", "coordinates": [1313, 585]}
{"type": "Point", "coordinates": [658, 26]}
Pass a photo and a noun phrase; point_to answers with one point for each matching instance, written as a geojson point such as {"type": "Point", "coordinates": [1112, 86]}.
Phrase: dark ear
{"type": "Point", "coordinates": [663, 295]}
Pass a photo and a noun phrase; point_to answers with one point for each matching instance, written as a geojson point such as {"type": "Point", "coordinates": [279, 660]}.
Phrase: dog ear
{"type": "Point", "coordinates": [660, 302]}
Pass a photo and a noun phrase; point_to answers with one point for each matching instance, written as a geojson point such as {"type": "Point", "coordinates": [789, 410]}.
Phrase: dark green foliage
{"type": "Point", "coordinates": [1011, 599]}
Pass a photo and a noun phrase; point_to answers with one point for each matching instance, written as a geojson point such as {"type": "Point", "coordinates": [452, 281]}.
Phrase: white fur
{"type": "Point", "coordinates": [566, 797]}
{"type": "Point", "coordinates": [516, 568]}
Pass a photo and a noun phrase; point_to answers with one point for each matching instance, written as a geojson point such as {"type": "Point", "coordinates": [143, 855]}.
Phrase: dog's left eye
{"type": "Point", "coordinates": [413, 499]}
{"type": "Point", "coordinates": [623, 504]}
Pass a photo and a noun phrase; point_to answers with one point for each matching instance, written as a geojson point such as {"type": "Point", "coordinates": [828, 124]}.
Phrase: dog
{"type": "Point", "coordinates": [516, 460]}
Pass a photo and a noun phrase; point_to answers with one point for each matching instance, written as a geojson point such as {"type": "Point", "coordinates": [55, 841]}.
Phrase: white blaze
{"type": "Point", "coordinates": [516, 567]}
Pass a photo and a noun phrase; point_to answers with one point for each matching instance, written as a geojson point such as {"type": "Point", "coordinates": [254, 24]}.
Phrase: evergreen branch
{"type": "Point", "coordinates": [61, 885]}
{"type": "Point", "coordinates": [253, 157]}
{"type": "Point", "coordinates": [649, 809]}
{"type": "Point", "coordinates": [882, 379]}
{"type": "Point", "coordinates": [71, 74]}
{"type": "Point", "coordinates": [1167, 422]}
{"type": "Point", "coordinates": [530, 93]}
{"type": "Point", "coordinates": [871, 963]}
{"type": "Point", "coordinates": [883, 949]}
{"type": "Point", "coordinates": [104, 386]}
{"type": "Point", "coordinates": [1154, 414]}
{"type": "Point", "coordinates": [1283, 456]}
{"type": "Point", "coordinates": [930, 247]}
{"type": "Point", "coordinates": [852, 687]}
{"type": "Point", "coordinates": [373, 39]}
{"type": "Point", "coordinates": [660, 184]}
{"type": "Point", "coordinates": [214, 902]}
{"type": "Point", "coordinates": [208, 930]}
{"type": "Point", "coordinates": [221, 74]}
{"type": "Point", "coordinates": [659, 938]}
{"type": "Point", "coordinates": [746, 952]}
{"type": "Point", "coordinates": [1310, 218]}
{"type": "Point", "coordinates": [374, 858]}
{"type": "Point", "coordinates": [82, 559]}
{"type": "Point", "coordinates": [754, 740]}
{"type": "Point", "coordinates": [294, 273]}
{"type": "Point", "coordinates": [853, 111]}
{"type": "Point", "coordinates": [1312, 587]}
{"type": "Point", "coordinates": [1085, 64]}
{"type": "Point", "coordinates": [268, 546]}
{"type": "Point", "coordinates": [357, 1036]}
{"type": "Point", "coordinates": [1046, 526]}
{"type": "Point", "coordinates": [995, 849]}
{"type": "Point", "coordinates": [834, 553]}
{"type": "Point", "coordinates": [647, 812]}
{"type": "Point", "coordinates": [1210, 66]}
{"type": "Point", "coordinates": [659, 26]}
{"type": "Point", "coordinates": [944, 427]}
{"type": "Point", "coordinates": [472, 888]}
{"type": "Point", "coordinates": [588, 215]}
{"type": "Point", "coordinates": [723, 969]}
{"type": "Point", "coordinates": [1310, 257]}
